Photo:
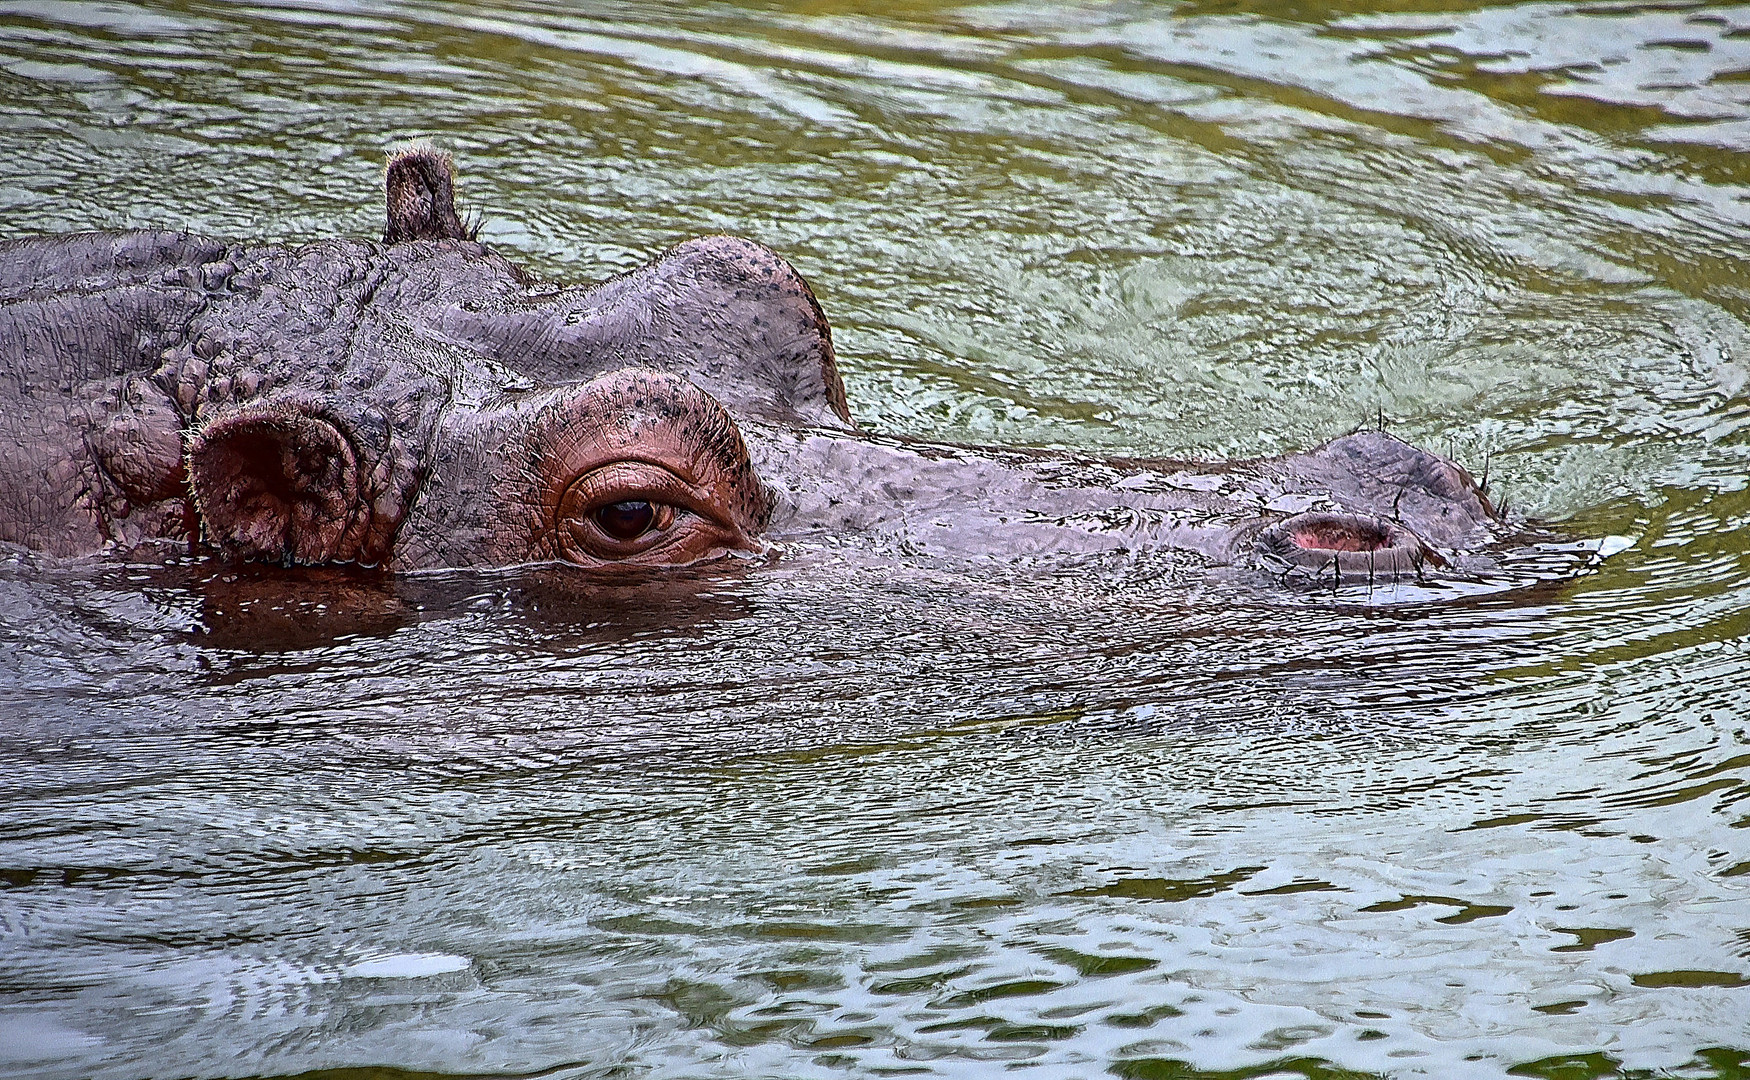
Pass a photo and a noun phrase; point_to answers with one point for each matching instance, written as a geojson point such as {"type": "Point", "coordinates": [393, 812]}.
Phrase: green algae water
{"type": "Point", "coordinates": [848, 813]}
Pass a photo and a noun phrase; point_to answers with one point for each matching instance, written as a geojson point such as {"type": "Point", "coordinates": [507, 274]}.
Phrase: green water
{"type": "Point", "coordinates": [850, 814]}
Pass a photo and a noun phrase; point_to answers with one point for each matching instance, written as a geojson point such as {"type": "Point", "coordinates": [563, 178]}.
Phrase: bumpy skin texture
{"type": "Point", "coordinates": [422, 403]}
{"type": "Point", "coordinates": [292, 405]}
{"type": "Point", "coordinates": [89, 450]}
{"type": "Point", "coordinates": [727, 314]}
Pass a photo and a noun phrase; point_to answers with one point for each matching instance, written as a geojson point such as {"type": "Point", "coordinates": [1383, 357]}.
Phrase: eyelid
{"type": "Point", "coordinates": [629, 480]}
{"type": "Point", "coordinates": [687, 525]}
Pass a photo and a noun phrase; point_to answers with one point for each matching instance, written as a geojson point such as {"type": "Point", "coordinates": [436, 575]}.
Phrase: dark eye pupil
{"type": "Point", "coordinates": [626, 520]}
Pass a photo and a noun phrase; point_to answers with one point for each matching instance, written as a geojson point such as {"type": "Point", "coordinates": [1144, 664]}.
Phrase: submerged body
{"type": "Point", "coordinates": [421, 403]}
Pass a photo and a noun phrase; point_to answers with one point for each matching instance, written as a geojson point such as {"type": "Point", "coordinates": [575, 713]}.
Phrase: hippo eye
{"type": "Point", "coordinates": [626, 520]}
{"type": "Point", "coordinates": [640, 512]}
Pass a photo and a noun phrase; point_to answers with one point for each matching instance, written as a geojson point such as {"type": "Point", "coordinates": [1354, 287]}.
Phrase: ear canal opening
{"type": "Point", "coordinates": [278, 486]}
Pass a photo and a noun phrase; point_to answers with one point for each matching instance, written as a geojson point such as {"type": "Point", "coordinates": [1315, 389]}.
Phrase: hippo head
{"type": "Point", "coordinates": [421, 403]}
{"type": "Point", "coordinates": [463, 416]}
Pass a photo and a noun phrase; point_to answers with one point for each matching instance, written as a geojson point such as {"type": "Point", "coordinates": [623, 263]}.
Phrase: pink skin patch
{"type": "Point", "coordinates": [1339, 536]}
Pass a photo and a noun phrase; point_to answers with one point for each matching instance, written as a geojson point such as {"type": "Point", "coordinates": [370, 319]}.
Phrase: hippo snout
{"type": "Point", "coordinates": [1348, 545]}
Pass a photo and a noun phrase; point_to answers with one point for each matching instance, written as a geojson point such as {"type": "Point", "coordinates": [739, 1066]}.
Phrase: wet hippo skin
{"type": "Point", "coordinates": [421, 403]}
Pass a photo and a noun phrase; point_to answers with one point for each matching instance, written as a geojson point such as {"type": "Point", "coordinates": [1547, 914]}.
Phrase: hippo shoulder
{"type": "Point", "coordinates": [95, 261]}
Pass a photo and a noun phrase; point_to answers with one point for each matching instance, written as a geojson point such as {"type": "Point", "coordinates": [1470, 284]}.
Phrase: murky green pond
{"type": "Point", "coordinates": [852, 814]}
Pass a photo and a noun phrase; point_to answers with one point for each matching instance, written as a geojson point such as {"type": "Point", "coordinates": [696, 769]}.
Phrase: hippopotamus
{"type": "Point", "coordinates": [421, 402]}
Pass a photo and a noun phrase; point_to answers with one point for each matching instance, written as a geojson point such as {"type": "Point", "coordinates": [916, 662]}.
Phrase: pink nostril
{"type": "Point", "coordinates": [1340, 535]}
{"type": "Point", "coordinates": [1346, 544]}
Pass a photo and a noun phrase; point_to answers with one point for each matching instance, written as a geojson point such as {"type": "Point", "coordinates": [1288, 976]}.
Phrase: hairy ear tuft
{"type": "Point", "coordinates": [420, 189]}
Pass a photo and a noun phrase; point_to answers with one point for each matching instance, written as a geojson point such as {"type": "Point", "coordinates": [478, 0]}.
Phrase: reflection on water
{"type": "Point", "coordinates": [845, 813]}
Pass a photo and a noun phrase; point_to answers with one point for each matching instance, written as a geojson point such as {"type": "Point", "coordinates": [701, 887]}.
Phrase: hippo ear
{"type": "Point", "coordinates": [282, 485]}
{"type": "Point", "coordinates": [420, 186]}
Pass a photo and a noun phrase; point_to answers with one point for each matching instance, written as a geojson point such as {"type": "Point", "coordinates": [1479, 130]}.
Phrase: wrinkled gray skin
{"type": "Point", "coordinates": [374, 402]}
